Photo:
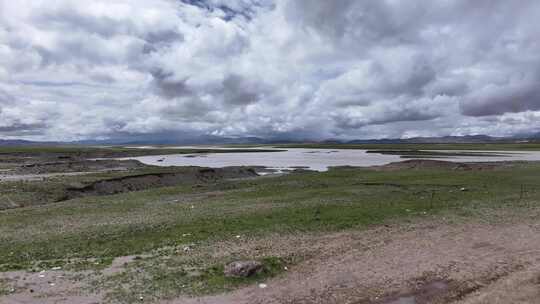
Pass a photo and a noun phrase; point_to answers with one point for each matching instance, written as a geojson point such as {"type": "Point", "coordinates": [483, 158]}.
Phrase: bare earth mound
{"type": "Point", "coordinates": [191, 175]}
{"type": "Point", "coordinates": [78, 166]}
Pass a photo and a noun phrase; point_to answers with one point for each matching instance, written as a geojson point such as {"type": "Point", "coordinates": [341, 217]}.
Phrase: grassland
{"type": "Point", "coordinates": [109, 152]}
{"type": "Point", "coordinates": [435, 154]}
{"type": "Point", "coordinates": [339, 199]}
{"type": "Point", "coordinates": [170, 230]}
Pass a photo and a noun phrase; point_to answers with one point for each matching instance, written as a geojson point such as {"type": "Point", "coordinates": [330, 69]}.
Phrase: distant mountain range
{"type": "Point", "coordinates": [217, 140]}
{"type": "Point", "coordinates": [440, 140]}
{"type": "Point", "coordinates": [20, 142]}
{"type": "Point", "coordinates": [200, 140]}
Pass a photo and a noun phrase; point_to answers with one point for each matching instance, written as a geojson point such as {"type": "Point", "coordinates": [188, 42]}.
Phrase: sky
{"type": "Point", "coordinates": [296, 69]}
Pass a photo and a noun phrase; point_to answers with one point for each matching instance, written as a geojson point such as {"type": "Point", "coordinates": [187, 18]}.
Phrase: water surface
{"type": "Point", "coordinates": [314, 159]}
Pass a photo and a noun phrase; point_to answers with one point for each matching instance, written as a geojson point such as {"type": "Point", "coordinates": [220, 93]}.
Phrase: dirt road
{"type": "Point", "coordinates": [427, 262]}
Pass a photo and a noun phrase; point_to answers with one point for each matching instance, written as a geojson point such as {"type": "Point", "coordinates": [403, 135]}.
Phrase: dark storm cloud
{"type": "Point", "coordinates": [420, 74]}
{"type": "Point", "coordinates": [102, 78]}
{"type": "Point", "coordinates": [496, 100]}
{"type": "Point", "coordinates": [238, 91]}
{"type": "Point", "coordinates": [169, 87]}
{"type": "Point", "coordinates": [19, 128]}
{"type": "Point", "coordinates": [447, 87]}
{"type": "Point", "coordinates": [361, 22]}
{"type": "Point", "coordinates": [188, 110]}
{"type": "Point", "coordinates": [163, 37]}
{"type": "Point", "coordinates": [348, 122]}
{"type": "Point", "coordinates": [72, 69]}
{"type": "Point", "coordinates": [231, 8]}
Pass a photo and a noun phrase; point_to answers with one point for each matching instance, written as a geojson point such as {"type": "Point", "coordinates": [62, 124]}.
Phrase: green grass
{"type": "Point", "coordinates": [169, 278]}
{"type": "Point", "coordinates": [133, 223]}
{"type": "Point", "coordinates": [434, 154]}
{"type": "Point", "coordinates": [4, 288]}
{"type": "Point", "coordinates": [156, 224]}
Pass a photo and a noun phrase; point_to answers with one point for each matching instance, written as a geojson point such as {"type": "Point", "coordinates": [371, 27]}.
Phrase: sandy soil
{"type": "Point", "coordinates": [428, 262]}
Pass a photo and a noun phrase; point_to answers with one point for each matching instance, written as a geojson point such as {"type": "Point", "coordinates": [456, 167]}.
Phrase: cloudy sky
{"type": "Point", "coordinates": [306, 69]}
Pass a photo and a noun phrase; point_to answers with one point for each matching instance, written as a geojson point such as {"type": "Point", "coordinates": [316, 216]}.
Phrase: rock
{"type": "Point", "coordinates": [243, 269]}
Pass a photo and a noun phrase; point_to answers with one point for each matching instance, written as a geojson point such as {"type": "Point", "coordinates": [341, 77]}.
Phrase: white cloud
{"type": "Point", "coordinates": [306, 69]}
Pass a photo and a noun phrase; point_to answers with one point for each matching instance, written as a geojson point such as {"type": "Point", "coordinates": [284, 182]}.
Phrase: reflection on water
{"type": "Point", "coordinates": [312, 159]}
